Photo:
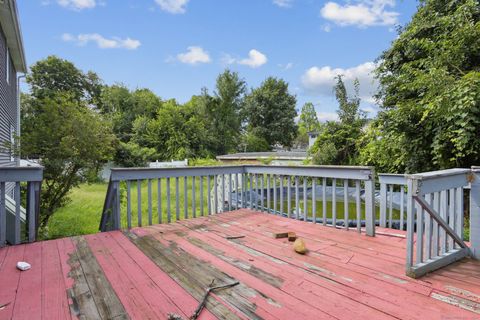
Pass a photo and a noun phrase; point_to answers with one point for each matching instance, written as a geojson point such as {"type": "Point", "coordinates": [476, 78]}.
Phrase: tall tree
{"type": "Point", "coordinates": [430, 89]}
{"type": "Point", "coordinates": [338, 141]}
{"type": "Point", "coordinates": [270, 112]}
{"type": "Point", "coordinates": [71, 141]}
{"type": "Point", "coordinates": [53, 75]}
{"type": "Point", "coordinates": [308, 118]}
{"type": "Point", "coordinates": [223, 111]}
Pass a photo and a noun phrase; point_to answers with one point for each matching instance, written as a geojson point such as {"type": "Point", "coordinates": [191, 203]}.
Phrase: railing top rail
{"type": "Point", "coordinates": [392, 178]}
{"type": "Point", "coordinates": [438, 174]}
{"type": "Point", "coordinates": [341, 172]}
{"type": "Point", "coordinates": [19, 174]}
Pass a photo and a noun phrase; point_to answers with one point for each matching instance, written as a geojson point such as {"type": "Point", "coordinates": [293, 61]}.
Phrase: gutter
{"type": "Point", "coordinates": [18, 118]}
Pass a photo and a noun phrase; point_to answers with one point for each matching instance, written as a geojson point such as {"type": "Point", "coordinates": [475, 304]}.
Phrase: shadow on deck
{"type": "Point", "coordinates": [149, 272]}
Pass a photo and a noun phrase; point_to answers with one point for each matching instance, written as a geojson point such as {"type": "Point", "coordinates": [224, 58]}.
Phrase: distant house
{"type": "Point", "coordinates": [312, 137]}
{"type": "Point", "coordinates": [273, 157]}
{"type": "Point", "coordinates": [12, 61]}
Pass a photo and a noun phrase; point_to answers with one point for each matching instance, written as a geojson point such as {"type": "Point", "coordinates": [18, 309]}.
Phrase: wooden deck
{"type": "Point", "coordinates": [152, 271]}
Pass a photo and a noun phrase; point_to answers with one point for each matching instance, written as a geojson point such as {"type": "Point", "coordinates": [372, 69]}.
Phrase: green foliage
{"type": "Point", "coordinates": [254, 143]}
{"type": "Point", "coordinates": [270, 113]}
{"type": "Point", "coordinates": [176, 132]}
{"type": "Point", "coordinates": [53, 76]}
{"type": "Point", "coordinates": [308, 122]}
{"type": "Point", "coordinates": [131, 154]}
{"type": "Point", "coordinates": [71, 141]}
{"type": "Point", "coordinates": [337, 142]}
{"type": "Point", "coordinates": [430, 88]}
{"type": "Point", "coordinates": [223, 111]}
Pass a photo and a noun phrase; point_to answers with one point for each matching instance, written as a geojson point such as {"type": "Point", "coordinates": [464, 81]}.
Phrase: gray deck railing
{"type": "Point", "coordinates": [392, 200]}
{"type": "Point", "coordinates": [16, 223]}
{"type": "Point", "coordinates": [283, 190]}
{"type": "Point", "coordinates": [435, 217]}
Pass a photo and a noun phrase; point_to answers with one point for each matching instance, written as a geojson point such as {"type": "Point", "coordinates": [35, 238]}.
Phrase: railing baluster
{"type": "Point", "coordinates": [324, 201]}
{"type": "Point", "coordinates": [402, 206]}
{"type": "Point", "coordinates": [31, 210]}
{"type": "Point", "coordinates": [345, 204]}
{"type": "Point", "coordinates": [383, 205]}
{"type": "Point", "coordinates": [185, 197]}
{"type": "Point", "coordinates": [268, 194]}
{"type": "Point", "coordinates": [289, 196]}
{"type": "Point", "coordinates": [256, 192]}
{"type": "Point", "coordinates": [250, 180]}
{"type": "Point", "coordinates": [116, 206]}
{"type": "Point", "coordinates": [314, 200]}
{"type": "Point", "coordinates": [419, 233]}
{"type": "Point", "coordinates": [129, 206]}
{"type": "Point", "coordinates": [451, 215]}
{"type": "Point", "coordinates": [194, 209]}
{"type": "Point", "coordinates": [281, 194]}
{"type": "Point", "coordinates": [222, 205]}
{"type": "Point", "coordinates": [443, 214]}
{"type": "Point", "coordinates": [177, 199]}
{"type": "Point", "coordinates": [139, 203]}
{"type": "Point", "coordinates": [159, 200]}
{"type": "Point", "coordinates": [428, 230]}
{"type": "Point", "coordinates": [149, 201]}
{"type": "Point", "coordinates": [334, 203]}
{"type": "Point", "coordinates": [243, 190]}
{"type": "Point", "coordinates": [3, 216]}
{"type": "Point", "coordinates": [410, 225]}
{"type": "Point", "coordinates": [297, 198]}
{"type": "Point", "coordinates": [201, 197]}
{"type": "Point", "coordinates": [262, 208]}
{"type": "Point", "coordinates": [215, 194]}
{"type": "Point", "coordinates": [358, 203]}
{"type": "Point", "coordinates": [230, 192]}
{"type": "Point", "coordinates": [305, 200]}
{"type": "Point", "coordinates": [274, 194]}
{"type": "Point", "coordinates": [18, 202]}
{"type": "Point", "coordinates": [169, 211]}
{"type": "Point", "coordinates": [390, 205]}
{"type": "Point", "coordinates": [209, 195]}
{"type": "Point", "coordinates": [459, 212]}
{"type": "Point", "coordinates": [236, 191]}
{"type": "Point", "coordinates": [436, 207]}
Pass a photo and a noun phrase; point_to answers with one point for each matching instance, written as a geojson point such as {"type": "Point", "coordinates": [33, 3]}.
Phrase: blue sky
{"type": "Point", "coordinates": [176, 47]}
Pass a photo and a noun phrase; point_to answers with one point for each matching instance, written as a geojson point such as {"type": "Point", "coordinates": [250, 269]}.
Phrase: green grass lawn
{"type": "Point", "coordinates": [82, 214]}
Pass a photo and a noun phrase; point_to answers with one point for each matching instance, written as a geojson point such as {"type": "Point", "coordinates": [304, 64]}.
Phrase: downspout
{"type": "Point", "coordinates": [18, 118]}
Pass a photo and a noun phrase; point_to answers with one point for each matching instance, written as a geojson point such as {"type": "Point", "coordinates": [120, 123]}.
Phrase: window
{"type": "Point", "coordinates": [8, 66]}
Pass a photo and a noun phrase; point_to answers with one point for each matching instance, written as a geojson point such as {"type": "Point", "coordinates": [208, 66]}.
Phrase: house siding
{"type": "Point", "coordinates": [8, 102]}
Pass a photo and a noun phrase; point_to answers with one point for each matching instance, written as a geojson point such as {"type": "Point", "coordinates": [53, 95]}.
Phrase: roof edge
{"type": "Point", "coordinates": [13, 34]}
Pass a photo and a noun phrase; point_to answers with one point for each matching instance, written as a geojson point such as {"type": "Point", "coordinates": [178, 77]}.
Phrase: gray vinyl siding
{"type": "Point", "coordinates": [8, 102]}
{"type": "Point", "coordinates": [8, 107]}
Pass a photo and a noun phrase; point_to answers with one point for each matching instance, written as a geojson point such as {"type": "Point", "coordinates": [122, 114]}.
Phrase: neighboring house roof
{"type": "Point", "coordinates": [279, 155]}
{"type": "Point", "coordinates": [11, 28]}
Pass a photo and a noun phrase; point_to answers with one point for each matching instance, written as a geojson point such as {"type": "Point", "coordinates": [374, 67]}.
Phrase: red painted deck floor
{"type": "Point", "coordinates": [153, 271]}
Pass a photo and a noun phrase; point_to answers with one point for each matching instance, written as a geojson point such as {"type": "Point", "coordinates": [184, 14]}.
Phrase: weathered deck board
{"type": "Point", "coordinates": [149, 272]}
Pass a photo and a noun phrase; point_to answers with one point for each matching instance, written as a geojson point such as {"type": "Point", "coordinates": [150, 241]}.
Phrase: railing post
{"type": "Point", "coordinates": [3, 216]}
{"type": "Point", "coordinates": [370, 205]}
{"type": "Point", "coordinates": [410, 224]}
{"type": "Point", "coordinates": [475, 213]}
{"type": "Point", "coordinates": [116, 205]}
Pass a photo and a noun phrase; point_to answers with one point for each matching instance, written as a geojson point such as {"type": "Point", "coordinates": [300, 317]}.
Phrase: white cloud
{"type": "Point", "coordinates": [77, 4]}
{"type": "Point", "coordinates": [173, 6]}
{"type": "Point", "coordinates": [102, 42]}
{"type": "Point", "coordinates": [194, 55]}
{"type": "Point", "coordinates": [327, 116]}
{"type": "Point", "coordinates": [283, 3]}
{"type": "Point", "coordinates": [321, 80]}
{"type": "Point", "coordinates": [255, 59]}
{"type": "Point", "coordinates": [361, 13]}
{"type": "Point", "coordinates": [287, 66]}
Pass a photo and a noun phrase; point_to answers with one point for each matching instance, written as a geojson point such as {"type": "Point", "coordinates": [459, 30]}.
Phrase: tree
{"type": "Point", "coordinates": [54, 75]}
{"type": "Point", "coordinates": [308, 118]}
{"type": "Point", "coordinates": [308, 122]}
{"type": "Point", "coordinates": [177, 132]}
{"type": "Point", "coordinates": [71, 141]}
{"type": "Point", "coordinates": [223, 111]}
{"type": "Point", "coordinates": [430, 89]}
{"type": "Point", "coordinates": [270, 113]}
{"type": "Point", "coordinates": [338, 142]}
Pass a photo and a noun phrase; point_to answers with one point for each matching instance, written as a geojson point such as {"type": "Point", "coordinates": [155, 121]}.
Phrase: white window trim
{"type": "Point", "coordinates": [12, 142]}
